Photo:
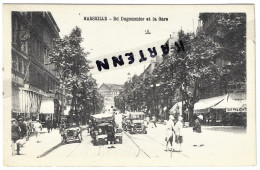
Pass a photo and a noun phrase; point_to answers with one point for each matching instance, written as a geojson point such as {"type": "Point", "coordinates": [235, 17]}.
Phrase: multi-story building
{"type": "Point", "coordinates": [34, 80]}
{"type": "Point", "coordinates": [109, 91]}
{"type": "Point", "coordinates": [219, 92]}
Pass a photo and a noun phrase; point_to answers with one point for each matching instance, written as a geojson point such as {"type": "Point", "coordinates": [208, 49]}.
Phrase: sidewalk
{"type": "Point", "coordinates": [32, 148]}
{"type": "Point", "coordinates": [220, 143]}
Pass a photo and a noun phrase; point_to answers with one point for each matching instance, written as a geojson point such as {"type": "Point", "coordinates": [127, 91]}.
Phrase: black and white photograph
{"type": "Point", "coordinates": [129, 85]}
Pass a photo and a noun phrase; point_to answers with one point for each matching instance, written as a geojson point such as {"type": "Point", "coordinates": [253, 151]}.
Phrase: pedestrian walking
{"type": "Point", "coordinates": [16, 135]}
{"type": "Point", "coordinates": [54, 123]}
{"type": "Point", "coordinates": [28, 128]}
{"type": "Point", "coordinates": [145, 123]}
{"type": "Point", "coordinates": [89, 125]}
{"type": "Point", "coordinates": [37, 129]}
{"type": "Point", "coordinates": [154, 120]}
{"type": "Point", "coordinates": [169, 132]}
{"type": "Point", "coordinates": [147, 120]}
{"type": "Point", "coordinates": [197, 130]}
{"type": "Point", "coordinates": [178, 133]}
{"type": "Point", "coordinates": [111, 137]}
{"type": "Point", "coordinates": [49, 125]}
{"type": "Point", "coordinates": [22, 126]}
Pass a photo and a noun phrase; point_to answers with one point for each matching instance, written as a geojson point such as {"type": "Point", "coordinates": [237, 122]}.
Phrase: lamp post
{"type": "Point", "coordinates": [154, 93]}
{"type": "Point", "coordinates": [94, 100]}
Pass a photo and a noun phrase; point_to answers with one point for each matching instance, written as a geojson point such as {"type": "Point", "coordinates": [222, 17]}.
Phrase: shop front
{"type": "Point", "coordinates": [205, 108]}
{"type": "Point", "coordinates": [234, 109]}
{"type": "Point", "coordinates": [29, 102]}
{"type": "Point", "coordinates": [15, 101]}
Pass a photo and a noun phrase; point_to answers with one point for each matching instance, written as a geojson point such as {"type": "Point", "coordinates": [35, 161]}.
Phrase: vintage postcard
{"type": "Point", "coordinates": [129, 85]}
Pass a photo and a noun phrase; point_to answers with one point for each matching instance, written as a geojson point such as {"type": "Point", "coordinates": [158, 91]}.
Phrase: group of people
{"type": "Point", "coordinates": [174, 134]}
{"type": "Point", "coordinates": [174, 129]}
{"type": "Point", "coordinates": [21, 130]}
{"type": "Point", "coordinates": [147, 121]}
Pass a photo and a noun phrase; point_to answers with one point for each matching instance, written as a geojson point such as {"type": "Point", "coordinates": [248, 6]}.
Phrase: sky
{"type": "Point", "coordinates": [104, 39]}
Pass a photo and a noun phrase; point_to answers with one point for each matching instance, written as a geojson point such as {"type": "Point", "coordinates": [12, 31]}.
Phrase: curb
{"type": "Point", "coordinates": [49, 150]}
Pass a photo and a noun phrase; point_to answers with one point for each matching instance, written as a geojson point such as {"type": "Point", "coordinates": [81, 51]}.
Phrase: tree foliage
{"type": "Point", "coordinates": [73, 67]}
{"type": "Point", "coordinates": [182, 75]}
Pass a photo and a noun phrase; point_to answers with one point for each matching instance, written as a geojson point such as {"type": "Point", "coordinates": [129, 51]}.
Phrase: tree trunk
{"type": "Point", "coordinates": [191, 110]}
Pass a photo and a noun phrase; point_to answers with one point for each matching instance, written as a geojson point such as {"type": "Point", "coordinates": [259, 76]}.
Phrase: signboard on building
{"type": "Point", "coordinates": [242, 109]}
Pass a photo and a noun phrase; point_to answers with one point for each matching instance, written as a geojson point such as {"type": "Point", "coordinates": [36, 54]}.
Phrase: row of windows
{"type": "Point", "coordinates": [42, 81]}
{"type": "Point", "coordinates": [20, 35]}
{"type": "Point", "coordinates": [109, 93]}
{"type": "Point", "coordinates": [40, 51]}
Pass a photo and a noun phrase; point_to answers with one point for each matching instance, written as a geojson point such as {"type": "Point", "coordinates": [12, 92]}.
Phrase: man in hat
{"type": "Point", "coordinates": [169, 132]}
{"type": "Point", "coordinates": [16, 134]}
{"type": "Point", "coordinates": [197, 130]}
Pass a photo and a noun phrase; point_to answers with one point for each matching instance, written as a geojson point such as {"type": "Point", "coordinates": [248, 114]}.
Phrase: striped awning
{"type": "Point", "coordinates": [30, 101]}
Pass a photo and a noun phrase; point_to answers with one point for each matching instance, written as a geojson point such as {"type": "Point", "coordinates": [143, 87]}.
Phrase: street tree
{"type": "Point", "coordinates": [73, 67]}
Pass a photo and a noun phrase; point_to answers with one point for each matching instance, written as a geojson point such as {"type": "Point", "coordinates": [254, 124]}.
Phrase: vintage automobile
{"type": "Point", "coordinates": [136, 124]}
{"type": "Point", "coordinates": [103, 123]}
{"type": "Point", "coordinates": [71, 132]}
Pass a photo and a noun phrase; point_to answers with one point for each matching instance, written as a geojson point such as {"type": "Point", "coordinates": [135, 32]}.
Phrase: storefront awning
{"type": "Point", "coordinates": [47, 106]}
{"type": "Point", "coordinates": [204, 105]}
{"type": "Point", "coordinates": [237, 106]}
{"type": "Point", "coordinates": [177, 108]}
{"type": "Point", "coordinates": [29, 101]}
{"type": "Point", "coordinates": [15, 99]}
{"type": "Point", "coordinates": [233, 102]}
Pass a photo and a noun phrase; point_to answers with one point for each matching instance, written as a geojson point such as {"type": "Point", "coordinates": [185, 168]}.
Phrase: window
{"type": "Point", "coordinates": [24, 46]}
{"type": "Point", "coordinates": [46, 55]}
{"type": "Point", "coordinates": [14, 29]}
{"type": "Point", "coordinates": [14, 63]}
{"type": "Point", "coordinates": [21, 66]}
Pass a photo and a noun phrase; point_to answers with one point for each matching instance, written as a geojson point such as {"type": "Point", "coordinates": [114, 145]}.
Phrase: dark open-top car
{"type": "Point", "coordinates": [104, 124]}
{"type": "Point", "coordinates": [134, 123]}
{"type": "Point", "coordinates": [71, 133]}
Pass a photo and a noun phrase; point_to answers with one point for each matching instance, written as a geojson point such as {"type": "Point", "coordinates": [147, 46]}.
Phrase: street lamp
{"type": "Point", "coordinates": [154, 94]}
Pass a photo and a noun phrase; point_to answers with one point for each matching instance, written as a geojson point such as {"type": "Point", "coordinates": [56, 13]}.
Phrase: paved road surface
{"type": "Point", "coordinates": [221, 144]}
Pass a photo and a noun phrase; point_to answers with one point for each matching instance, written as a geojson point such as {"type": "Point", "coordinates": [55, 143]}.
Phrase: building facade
{"type": "Point", "coordinates": [109, 91]}
{"type": "Point", "coordinates": [227, 94]}
{"type": "Point", "coordinates": [34, 80]}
